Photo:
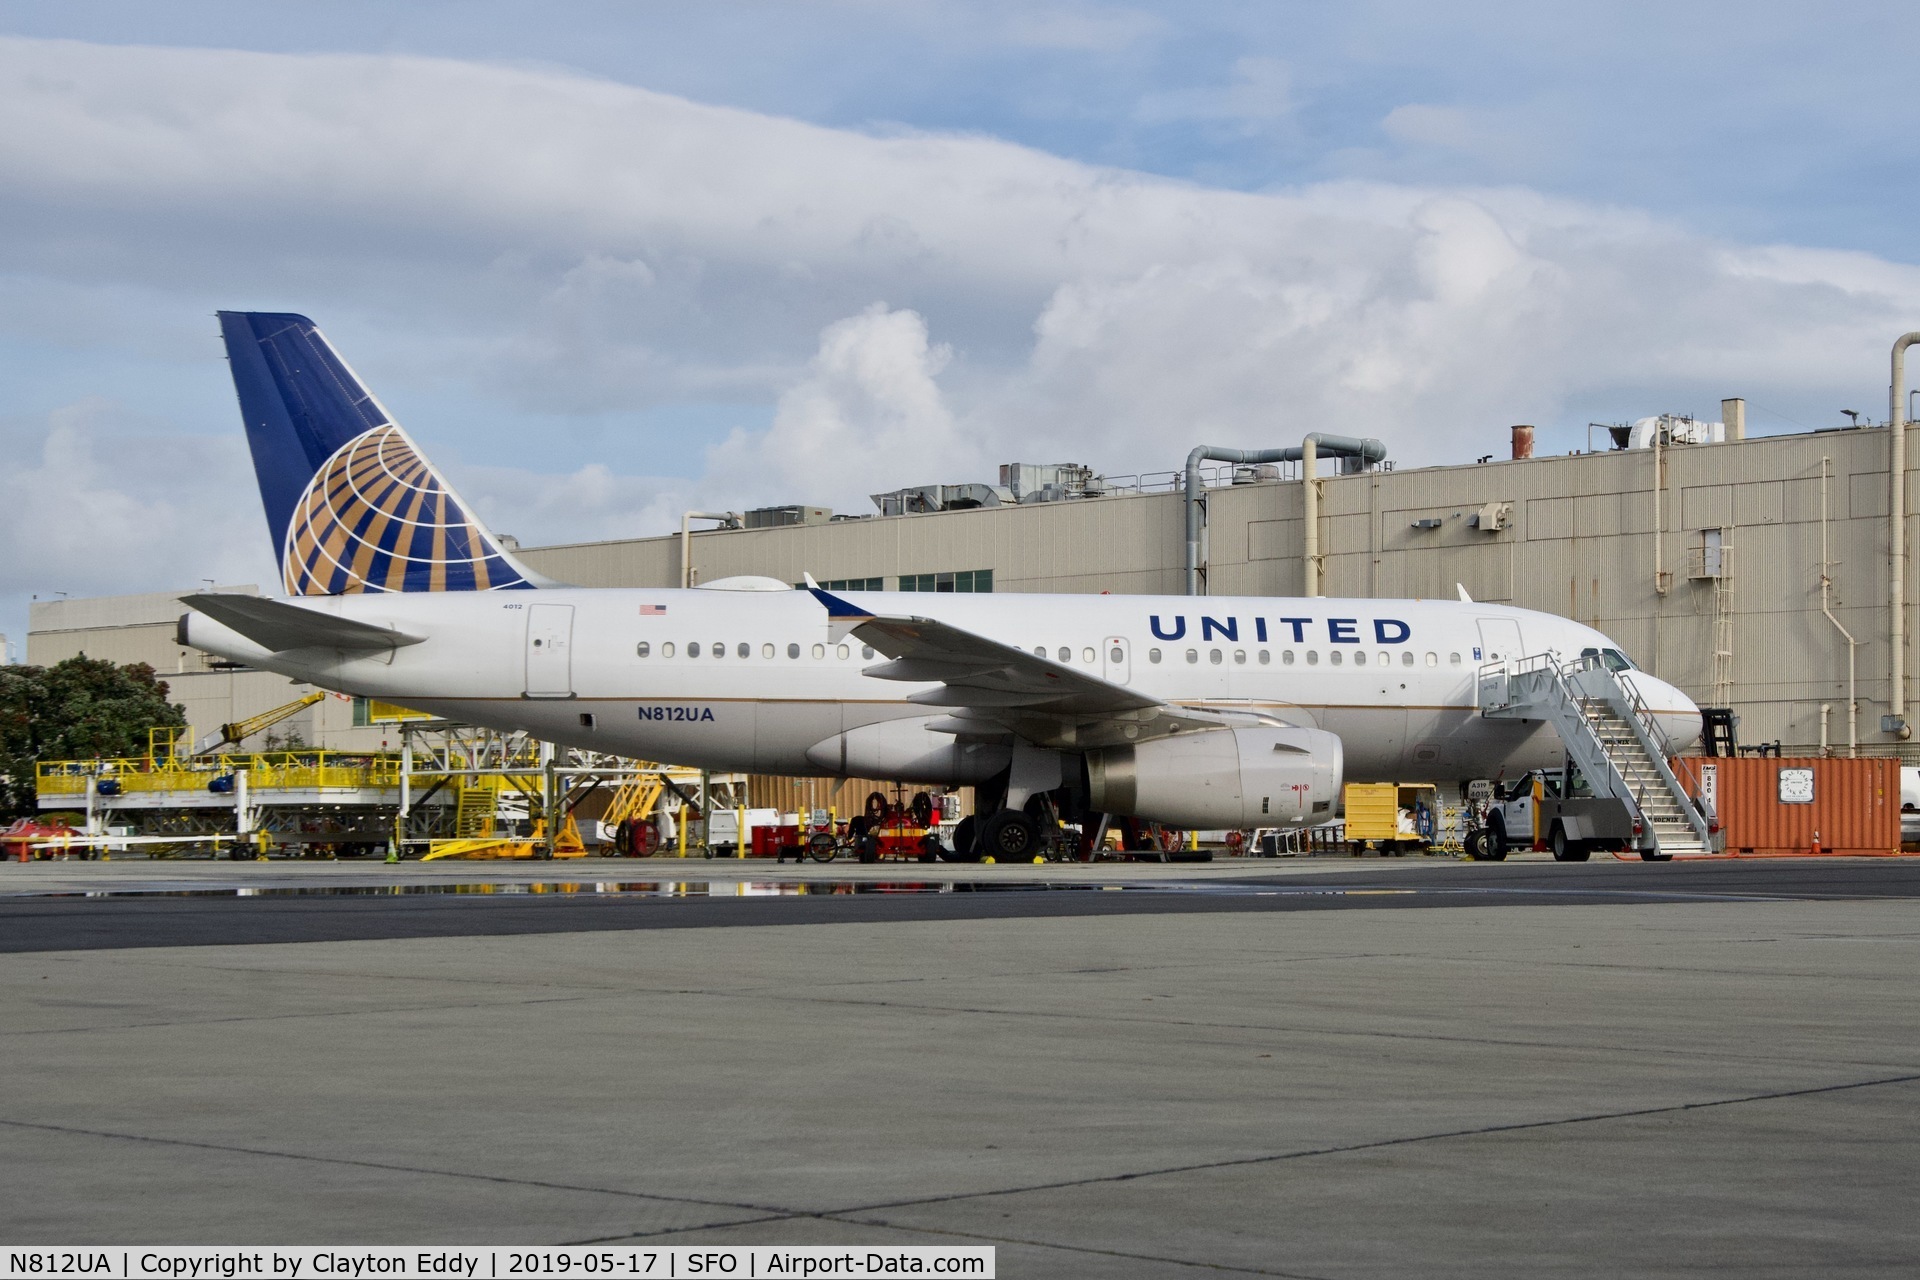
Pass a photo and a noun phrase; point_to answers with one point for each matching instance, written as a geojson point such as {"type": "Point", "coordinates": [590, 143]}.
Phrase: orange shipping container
{"type": "Point", "coordinates": [1772, 805]}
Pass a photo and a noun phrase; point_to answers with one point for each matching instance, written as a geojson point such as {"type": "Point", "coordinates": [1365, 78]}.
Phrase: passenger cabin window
{"type": "Point", "coordinates": [720, 649]}
{"type": "Point", "coordinates": [1264, 657]}
{"type": "Point", "coordinates": [866, 651]}
{"type": "Point", "coordinates": [746, 650]}
{"type": "Point", "coordinates": [1406, 658]}
{"type": "Point", "coordinates": [1433, 659]}
{"type": "Point", "coordinates": [1089, 657]}
{"type": "Point", "coordinates": [1153, 655]}
{"type": "Point", "coordinates": [766, 651]}
{"type": "Point", "coordinates": [844, 651]}
{"type": "Point", "coordinates": [1313, 657]}
{"type": "Point", "coordinates": [642, 649]}
{"type": "Point", "coordinates": [1359, 657]}
{"type": "Point", "coordinates": [1118, 655]}
{"type": "Point", "coordinates": [1213, 656]}
{"type": "Point", "coordinates": [819, 651]}
{"type": "Point", "coordinates": [1453, 659]}
{"type": "Point", "coordinates": [793, 651]}
{"type": "Point", "coordinates": [1334, 657]}
{"type": "Point", "coordinates": [666, 650]}
{"type": "Point", "coordinates": [1064, 654]}
{"type": "Point", "coordinates": [1193, 655]}
{"type": "Point", "coordinates": [693, 649]}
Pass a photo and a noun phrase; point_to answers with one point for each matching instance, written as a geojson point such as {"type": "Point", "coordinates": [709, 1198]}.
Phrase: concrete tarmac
{"type": "Point", "coordinates": [1699, 1082]}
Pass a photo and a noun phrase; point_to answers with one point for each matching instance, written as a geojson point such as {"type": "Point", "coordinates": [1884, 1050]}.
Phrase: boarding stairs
{"type": "Point", "coordinates": [1609, 734]}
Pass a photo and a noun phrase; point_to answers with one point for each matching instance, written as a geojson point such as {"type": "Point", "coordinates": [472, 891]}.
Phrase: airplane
{"type": "Point", "coordinates": [1204, 712]}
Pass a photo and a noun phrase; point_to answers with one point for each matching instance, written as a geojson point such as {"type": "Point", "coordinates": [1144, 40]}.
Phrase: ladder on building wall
{"type": "Point", "coordinates": [1609, 734]}
{"type": "Point", "coordinates": [1723, 625]}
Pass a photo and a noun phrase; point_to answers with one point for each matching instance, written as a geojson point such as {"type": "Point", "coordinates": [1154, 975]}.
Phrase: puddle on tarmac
{"type": "Point", "coordinates": [706, 889]}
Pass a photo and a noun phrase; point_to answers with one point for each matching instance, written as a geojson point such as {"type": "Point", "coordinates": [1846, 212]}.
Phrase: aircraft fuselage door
{"type": "Point", "coordinates": [549, 651]}
{"type": "Point", "coordinates": [1500, 640]}
{"type": "Point", "coordinates": [1117, 655]}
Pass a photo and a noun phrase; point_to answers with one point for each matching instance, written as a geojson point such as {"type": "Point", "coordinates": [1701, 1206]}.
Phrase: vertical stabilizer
{"type": "Point", "coordinates": [352, 504]}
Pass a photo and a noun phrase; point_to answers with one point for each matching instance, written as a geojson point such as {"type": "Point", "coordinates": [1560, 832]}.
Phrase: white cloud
{"type": "Point", "coordinates": [868, 402]}
{"type": "Point", "coordinates": [550, 244]}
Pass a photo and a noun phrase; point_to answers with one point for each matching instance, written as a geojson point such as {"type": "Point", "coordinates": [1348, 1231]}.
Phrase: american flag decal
{"type": "Point", "coordinates": [653, 610]}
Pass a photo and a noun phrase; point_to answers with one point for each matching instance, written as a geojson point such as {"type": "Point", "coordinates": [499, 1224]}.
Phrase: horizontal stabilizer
{"type": "Point", "coordinates": [279, 626]}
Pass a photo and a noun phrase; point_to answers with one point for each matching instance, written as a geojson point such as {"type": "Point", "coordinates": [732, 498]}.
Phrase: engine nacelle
{"type": "Point", "coordinates": [908, 751]}
{"type": "Point", "coordinates": [1219, 778]}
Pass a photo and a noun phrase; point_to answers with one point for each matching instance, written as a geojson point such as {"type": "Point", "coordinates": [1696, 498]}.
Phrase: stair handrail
{"type": "Point", "coordinates": [1658, 746]}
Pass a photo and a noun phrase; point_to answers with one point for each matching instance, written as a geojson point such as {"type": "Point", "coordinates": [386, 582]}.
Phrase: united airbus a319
{"type": "Point", "coordinates": [1203, 712]}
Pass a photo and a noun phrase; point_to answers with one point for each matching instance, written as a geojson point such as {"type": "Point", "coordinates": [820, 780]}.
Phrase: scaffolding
{"type": "Point", "coordinates": [452, 790]}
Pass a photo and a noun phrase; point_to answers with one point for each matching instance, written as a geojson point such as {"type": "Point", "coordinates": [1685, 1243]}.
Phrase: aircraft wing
{"type": "Point", "coordinates": [279, 626]}
{"type": "Point", "coordinates": [994, 689]}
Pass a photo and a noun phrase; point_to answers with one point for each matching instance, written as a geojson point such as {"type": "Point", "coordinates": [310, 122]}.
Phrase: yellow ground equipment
{"type": "Point", "coordinates": [1395, 816]}
{"type": "Point", "coordinates": [241, 730]}
{"type": "Point", "coordinates": [567, 844]}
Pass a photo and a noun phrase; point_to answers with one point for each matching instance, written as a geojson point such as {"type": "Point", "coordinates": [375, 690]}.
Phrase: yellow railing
{"type": "Point", "coordinates": [267, 770]}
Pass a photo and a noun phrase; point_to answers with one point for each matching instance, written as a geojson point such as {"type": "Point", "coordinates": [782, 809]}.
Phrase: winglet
{"type": "Point", "coordinates": [842, 615]}
{"type": "Point", "coordinates": [1461, 587]}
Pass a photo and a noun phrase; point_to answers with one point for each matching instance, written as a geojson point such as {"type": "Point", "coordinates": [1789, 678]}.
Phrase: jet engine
{"type": "Point", "coordinates": [1260, 777]}
{"type": "Point", "coordinates": [908, 751]}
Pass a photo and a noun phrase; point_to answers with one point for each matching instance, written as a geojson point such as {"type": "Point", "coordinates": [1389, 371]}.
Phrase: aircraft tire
{"type": "Point", "coordinates": [1476, 844]}
{"type": "Point", "coordinates": [964, 847]}
{"type": "Point", "coordinates": [1010, 836]}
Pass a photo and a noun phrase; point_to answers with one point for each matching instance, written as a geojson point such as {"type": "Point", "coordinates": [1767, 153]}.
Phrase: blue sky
{"type": "Point", "coordinates": [607, 260]}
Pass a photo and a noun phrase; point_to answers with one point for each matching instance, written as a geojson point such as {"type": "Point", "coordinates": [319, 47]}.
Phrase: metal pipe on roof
{"type": "Point", "coordinates": [731, 519]}
{"type": "Point", "coordinates": [1338, 446]}
{"type": "Point", "coordinates": [1897, 532]}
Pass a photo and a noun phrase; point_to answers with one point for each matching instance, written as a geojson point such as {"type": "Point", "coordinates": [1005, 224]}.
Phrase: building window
{"type": "Point", "coordinates": [964, 580]}
{"type": "Point", "coordinates": [361, 718]}
{"type": "Point", "coordinates": [851, 584]}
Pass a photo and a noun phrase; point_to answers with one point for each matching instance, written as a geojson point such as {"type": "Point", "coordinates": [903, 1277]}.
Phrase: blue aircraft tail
{"type": "Point", "coordinates": [352, 504]}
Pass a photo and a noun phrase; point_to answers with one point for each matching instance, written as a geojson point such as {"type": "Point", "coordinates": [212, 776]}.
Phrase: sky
{"type": "Point", "coordinates": [609, 261]}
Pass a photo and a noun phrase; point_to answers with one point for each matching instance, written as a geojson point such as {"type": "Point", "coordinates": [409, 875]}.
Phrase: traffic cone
{"type": "Point", "coordinates": [1816, 844]}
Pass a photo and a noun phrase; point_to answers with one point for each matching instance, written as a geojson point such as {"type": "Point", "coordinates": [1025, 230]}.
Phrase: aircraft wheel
{"type": "Point", "coordinates": [1476, 844]}
{"type": "Point", "coordinates": [1010, 836]}
{"type": "Point", "coordinates": [964, 849]}
{"type": "Point", "coordinates": [1565, 850]}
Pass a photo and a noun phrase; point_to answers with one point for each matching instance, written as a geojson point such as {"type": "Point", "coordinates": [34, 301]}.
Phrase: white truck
{"type": "Point", "coordinates": [1551, 811]}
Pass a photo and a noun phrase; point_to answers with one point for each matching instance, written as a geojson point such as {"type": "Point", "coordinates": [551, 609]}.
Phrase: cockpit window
{"type": "Point", "coordinates": [1612, 659]}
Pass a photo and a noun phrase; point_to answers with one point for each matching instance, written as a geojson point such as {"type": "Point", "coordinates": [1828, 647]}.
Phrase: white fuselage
{"type": "Point", "coordinates": [755, 680]}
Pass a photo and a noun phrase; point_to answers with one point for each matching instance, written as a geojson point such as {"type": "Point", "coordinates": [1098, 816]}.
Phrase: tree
{"type": "Point", "coordinates": [74, 710]}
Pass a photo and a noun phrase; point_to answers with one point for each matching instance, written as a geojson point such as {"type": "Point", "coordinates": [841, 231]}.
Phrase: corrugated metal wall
{"type": "Point", "coordinates": [1855, 807]}
{"type": "Point", "coordinates": [1578, 541]}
